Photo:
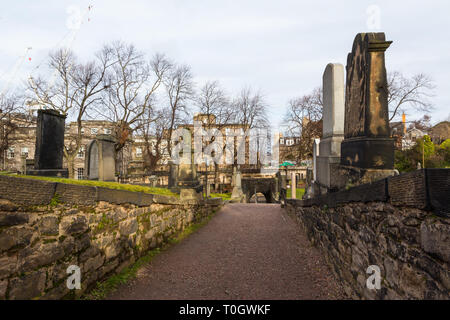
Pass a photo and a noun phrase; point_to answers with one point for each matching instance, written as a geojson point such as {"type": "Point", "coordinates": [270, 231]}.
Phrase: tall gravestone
{"type": "Point", "coordinates": [237, 194]}
{"type": "Point", "coordinates": [48, 157]}
{"type": "Point", "coordinates": [187, 180]}
{"type": "Point", "coordinates": [333, 127]}
{"type": "Point", "coordinates": [367, 151]}
{"type": "Point", "coordinates": [100, 160]}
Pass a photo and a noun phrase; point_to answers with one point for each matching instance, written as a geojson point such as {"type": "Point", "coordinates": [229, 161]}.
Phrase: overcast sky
{"type": "Point", "coordinates": [280, 47]}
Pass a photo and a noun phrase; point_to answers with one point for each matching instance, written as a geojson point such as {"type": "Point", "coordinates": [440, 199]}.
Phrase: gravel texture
{"type": "Point", "coordinates": [246, 251]}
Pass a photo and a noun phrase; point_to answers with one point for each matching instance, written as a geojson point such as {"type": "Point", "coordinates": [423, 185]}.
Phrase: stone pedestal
{"type": "Point", "coordinates": [367, 148]}
{"type": "Point", "coordinates": [173, 175]}
{"type": "Point", "coordinates": [100, 160]}
{"type": "Point", "coordinates": [187, 180]}
{"type": "Point", "coordinates": [333, 127]}
{"type": "Point", "coordinates": [293, 186]}
{"type": "Point", "coordinates": [237, 195]}
{"type": "Point", "coordinates": [48, 157]}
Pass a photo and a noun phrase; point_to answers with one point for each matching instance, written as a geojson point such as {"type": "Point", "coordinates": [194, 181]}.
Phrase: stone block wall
{"type": "Point", "coordinates": [38, 242]}
{"type": "Point", "coordinates": [404, 235]}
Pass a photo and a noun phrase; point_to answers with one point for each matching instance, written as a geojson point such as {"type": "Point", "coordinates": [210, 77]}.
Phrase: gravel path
{"type": "Point", "coordinates": [247, 251]}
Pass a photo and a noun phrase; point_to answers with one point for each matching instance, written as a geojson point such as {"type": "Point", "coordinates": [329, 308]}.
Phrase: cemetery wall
{"type": "Point", "coordinates": [400, 224]}
{"type": "Point", "coordinates": [100, 230]}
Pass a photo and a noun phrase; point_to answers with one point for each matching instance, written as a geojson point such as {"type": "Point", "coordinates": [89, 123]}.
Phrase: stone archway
{"type": "Point", "coordinates": [266, 186]}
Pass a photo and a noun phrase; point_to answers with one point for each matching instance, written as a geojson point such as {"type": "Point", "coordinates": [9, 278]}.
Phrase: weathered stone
{"type": "Point", "coordinates": [82, 242]}
{"type": "Point", "coordinates": [58, 272]}
{"type": "Point", "coordinates": [8, 265]}
{"type": "Point", "coordinates": [27, 286]}
{"type": "Point", "coordinates": [100, 158]}
{"type": "Point", "coordinates": [435, 239]}
{"type": "Point", "coordinates": [38, 256]}
{"type": "Point", "coordinates": [73, 225]}
{"type": "Point", "coordinates": [129, 226]}
{"type": "Point", "coordinates": [49, 225]}
{"type": "Point", "coordinates": [3, 288]}
{"type": "Point", "coordinates": [93, 263]}
{"type": "Point", "coordinates": [8, 219]}
{"type": "Point", "coordinates": [89, 253]}
{"type": "Point", "coordinates": [412, 282]}
{"type": "Point", "coordinates": [6, 205]}
{"type": "Point", "coordinates": [15, 237]}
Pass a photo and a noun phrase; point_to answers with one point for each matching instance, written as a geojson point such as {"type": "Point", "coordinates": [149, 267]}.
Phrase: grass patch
{"type": "Point", "coordinates": [299, 193]}
{"type": "Point", "coordinates": [224, 196]}
{"type": "Point", "coordinates": [105, 288]}
{"type": "Point", "coordinates": [110, 185]}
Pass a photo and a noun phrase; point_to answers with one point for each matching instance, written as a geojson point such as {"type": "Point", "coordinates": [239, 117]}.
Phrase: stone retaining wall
{"type": "Point", "coordinates": [392, 224]}
{"type": "Point", "coordinates": [41, 238]}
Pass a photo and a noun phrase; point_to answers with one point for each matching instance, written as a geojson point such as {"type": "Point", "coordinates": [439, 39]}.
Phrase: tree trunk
{"type": "Point", "coordinates": [70, 167]}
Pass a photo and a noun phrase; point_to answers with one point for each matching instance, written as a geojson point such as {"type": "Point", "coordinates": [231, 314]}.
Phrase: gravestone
{"type": "Point", "coordinates": [173, 174]}
{"type": "Point", "coordinates": [187, 180]}
{"type": "Point", "coordinates": [48, 157]}
{"type": "Point", "coordinates": [333, 127]}
{"type": "Point", "coordinates": [237, 195]}
{"type": "Point", "coordinates": [293, 186]}
{"type": "Point", "coordinates": [100, 160]}
{"type": "Point", "coordinates": [367, 151]}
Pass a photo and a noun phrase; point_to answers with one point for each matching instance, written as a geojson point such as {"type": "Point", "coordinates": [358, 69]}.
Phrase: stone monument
{"type": "Point", "coordinates": [367, 151]}
{"type": "Point", "coordinates": [293, 186]}
{"type": "Point", "coordinates": [173, 175]}
{"type": "Point", "coordinates": [237, 194]}
{"type": "Point", "coordinates": [48, 157]}
{"type": "Point", "coordinates": [333, 128]}
{"type": "Point", "coordinates": [100, 160]}
{"type": "Point", "coordinates": [187, 180]}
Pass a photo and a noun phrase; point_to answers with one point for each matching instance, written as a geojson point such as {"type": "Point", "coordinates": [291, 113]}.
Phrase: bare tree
{"type": "Point", "coordinates": [179, 87]}
{"type": "Point", "coordinates": [251, 109]}
{"type": "Point", "coordinates": [409, 93]}
{"type": "Point", "coordinates": [133, 83]}
{"type": "Point", "coordinates": [73, 90]}
{"type": "Point", "coordinates": [214, 103]}
{"type": "Point", "coordinates": [152, 133]}
{"type": "Point", "coordinates": [12, 118]}
{"type": "Point", "coordinates": [303, 119]}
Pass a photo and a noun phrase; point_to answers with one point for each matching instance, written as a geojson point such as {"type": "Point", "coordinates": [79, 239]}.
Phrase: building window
{"type": "Point", "coordinates": [81, 152]}
{"type": "Point", "coordinates": [24, 152]}
{"type": "Point", "coordinates": [80, 173]}
{"type": "Point", "coordinates": [10, 153]}
{"type": "Point", "coordinates": [82, 130]}
{"type": "Point", "coordinates": [138, 152]}
{"type": "Point", "coordinates": [289, 142]}
{"type": "Point", "coordinates": [281, 141]}
{"type": "Point", "coordinates": [94, 130]}
{"type": "Point", "coordinates": [107, 131]}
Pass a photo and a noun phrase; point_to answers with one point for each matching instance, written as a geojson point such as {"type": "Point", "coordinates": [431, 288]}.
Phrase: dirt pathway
{"type": "Point", "coordinates": [247, 251]}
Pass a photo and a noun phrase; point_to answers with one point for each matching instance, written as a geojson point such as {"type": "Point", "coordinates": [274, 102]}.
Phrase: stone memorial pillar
{"type": "Point", "coordinates": [48, 157]}
{"type": "Point", "coordinates": [187, 181]}
{"type": "Point", "coordinates": [293, 186]}
{"type": "Point", "coordinates": [237, 195]}
{"type": "Point", "coordinates": [333, 127]}
{"type": "Point", "coordinates": [367, 151]}
{"type": "Point", "coordinates": [315, 155]}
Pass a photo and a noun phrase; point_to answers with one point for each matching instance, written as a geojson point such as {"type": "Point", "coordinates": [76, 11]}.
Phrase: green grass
{"type": "Point", "coordinates": [107, 287]}
{"type": "Point", "coordinates": [224, 196]}
{"type": "Point", "coordinates": [299, 193]}
{"type": "Point", "coordinates": [110, 185]}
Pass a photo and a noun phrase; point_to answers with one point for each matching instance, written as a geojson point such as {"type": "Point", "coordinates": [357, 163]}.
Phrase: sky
{"type": "Point", "coordinates": [278, 47]}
